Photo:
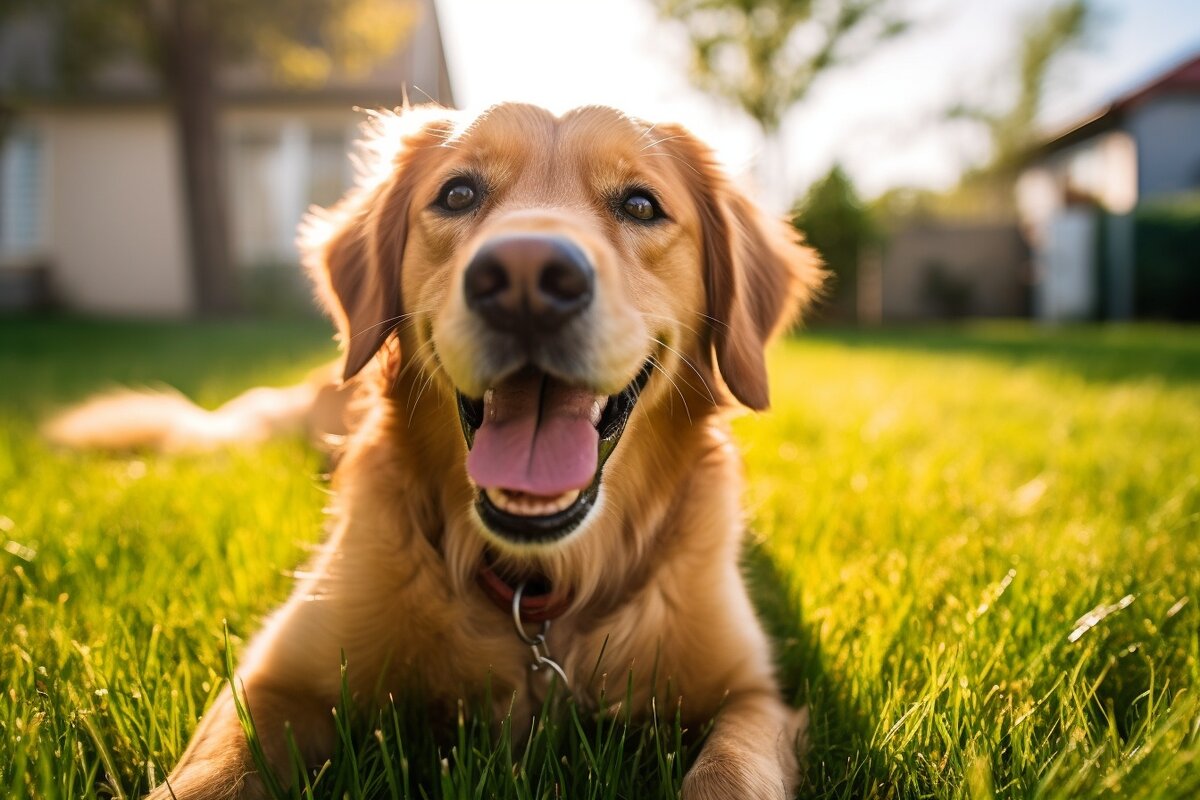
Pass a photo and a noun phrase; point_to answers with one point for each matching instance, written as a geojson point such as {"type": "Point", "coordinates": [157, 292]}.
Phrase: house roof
{"type": "Point", "coordinates": [1183, 78]}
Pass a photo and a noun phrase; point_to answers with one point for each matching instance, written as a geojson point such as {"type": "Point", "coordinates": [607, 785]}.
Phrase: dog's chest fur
{"type": "Point", "coordinates": [401, 520]}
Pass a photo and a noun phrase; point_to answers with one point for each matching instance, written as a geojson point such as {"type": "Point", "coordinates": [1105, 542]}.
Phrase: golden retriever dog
{"type": "Point", "coordinates": [547, 320]}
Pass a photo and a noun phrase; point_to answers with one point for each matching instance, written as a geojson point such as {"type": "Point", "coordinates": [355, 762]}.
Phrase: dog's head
{"type": "Point", "coordinates": [556, 276]}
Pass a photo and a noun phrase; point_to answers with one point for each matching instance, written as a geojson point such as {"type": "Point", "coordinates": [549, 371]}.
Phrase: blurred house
{"type": "Point", "coordinates": [91, 203]}
{"type": "Point", "coordinates": [1091, 195]}
{"type": "Point", "coordinates": [942, 269]}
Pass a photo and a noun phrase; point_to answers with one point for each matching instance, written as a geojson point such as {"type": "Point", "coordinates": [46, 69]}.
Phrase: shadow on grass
{"type": "Point", "coordinates": [841, 759]}
{"type": "Point", "coordinates": [1094, 353]}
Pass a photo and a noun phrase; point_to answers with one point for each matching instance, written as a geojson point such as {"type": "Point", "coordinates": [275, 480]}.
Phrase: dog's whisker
{"type": "Point", "coordinates": [370, 328]}
{"type": "Point", "coordinates": [677, 158]}
{"type": "Point", "coordinates": [428, 97]}
{"type": "Point", "coordinates": [412, 404]}
{"type": "Point", "coordinates": [408, 316]}
{"type": "Point", "coordinates": [412, 362]}
{"type": "Point", "coordinates": [713, 320]}
{"type": "Point", "coordinates": [657, 142]}
{"type": "Point", "coordinates": [671, 320]}
{"type": "Point", "coordinates": [708, 390]}
{"type": "Point", "coordinates": [655, 364]}
{"type": "Point", "coordinates": [410, 358]}
{"type": "Point", "coordinates": [428, 380]}
{"type": "Point", "coordinates": [424, 363]}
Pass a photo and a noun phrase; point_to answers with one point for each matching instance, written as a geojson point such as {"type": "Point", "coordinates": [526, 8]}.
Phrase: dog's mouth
{"type": "Point", "coordinates": [538, 446]}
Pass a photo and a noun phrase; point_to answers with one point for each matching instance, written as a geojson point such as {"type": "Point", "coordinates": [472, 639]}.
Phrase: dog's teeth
{"type": "Point", "coordinates": [524, 505]}
{"type": "Point", "coordinates": [488, 409]}
{"type": "Point", "coordinates": [565, 500]}
{"type": "Point", "coordinates": [597, 410]}
{"type": "Point", "coordinates": [497, 498]}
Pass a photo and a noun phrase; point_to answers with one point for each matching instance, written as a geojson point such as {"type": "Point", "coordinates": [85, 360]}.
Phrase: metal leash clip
{"type": "Point", "coordinates": [541, 656]}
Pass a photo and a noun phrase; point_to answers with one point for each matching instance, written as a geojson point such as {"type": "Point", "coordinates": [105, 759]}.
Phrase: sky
{"type": "Point", "coordinates": [881, 118]}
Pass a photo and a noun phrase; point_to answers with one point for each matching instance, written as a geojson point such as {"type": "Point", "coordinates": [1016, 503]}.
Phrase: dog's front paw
{"type": "Point", "coordinates": [732, 774]}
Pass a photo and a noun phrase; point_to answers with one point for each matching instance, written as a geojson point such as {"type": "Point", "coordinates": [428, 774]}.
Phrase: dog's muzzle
{"type": "Point", "coordinates": [538, 438]}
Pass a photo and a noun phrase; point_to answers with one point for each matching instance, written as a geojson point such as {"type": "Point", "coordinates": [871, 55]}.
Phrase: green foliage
{"type": "Point", "coordinates": [1060, 29]}
{"type": "Point", "coordinates": [834, 221]}
{"type": "Point", "coordinates": [985, 192]}
{"type": "Point", "coordinates": [765, 56]}
{"type": "Point", "coordinates": [88, 33]}
{"type": "Point", "coordinates": [976, 549]}
{"type": "Point", "coordinates": [304, 41]}
{"type": "Point", "coordinates": [300, 42]}
{"type": "Point", "coordinates": [1046, 38]}
{"type": "Point", "coordinates": [1167, 258]}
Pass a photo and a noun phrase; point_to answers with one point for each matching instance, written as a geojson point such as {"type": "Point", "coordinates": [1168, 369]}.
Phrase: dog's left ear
{"type": "Point", "coordinates": [355, 250]}
{"type": "Point", "coordinates": [758, 274]}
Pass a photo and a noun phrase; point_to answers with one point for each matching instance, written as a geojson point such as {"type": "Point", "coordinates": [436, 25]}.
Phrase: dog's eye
{"type": "Point", "coordinates": [459, 194]}
{"type": "Point", "coordinates": [639, 206]}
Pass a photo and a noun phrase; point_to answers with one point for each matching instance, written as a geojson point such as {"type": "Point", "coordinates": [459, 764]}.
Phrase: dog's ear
{"type": "Point", "coordinates": [360, 295]}
{"type": "Point", "coordinates": [758, 275]}
{"type": "Point", "coordinates": [354, 251]}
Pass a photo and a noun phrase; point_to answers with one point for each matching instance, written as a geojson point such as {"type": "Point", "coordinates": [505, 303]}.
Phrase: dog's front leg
{"type": "Point", "coordinates": [721, 660]}
{"type": "Point", "coordinates": [751, 751]}
{"type": "Point", "coordinates": [218, 762]}
{"type": "Point", "coordinates": [289, 678]}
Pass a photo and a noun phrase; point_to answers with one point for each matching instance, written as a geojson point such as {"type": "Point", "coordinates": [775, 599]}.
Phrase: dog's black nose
{"type": "Point", "coordinates": [528, 284]}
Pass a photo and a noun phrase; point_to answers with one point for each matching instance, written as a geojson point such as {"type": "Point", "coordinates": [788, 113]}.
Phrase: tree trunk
{"type": "Point", "coordinates": [189, 61]}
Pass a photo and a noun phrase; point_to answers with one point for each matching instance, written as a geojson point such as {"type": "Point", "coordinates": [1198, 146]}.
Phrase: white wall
{"type": "Point", "coordinates": [1167, 130]}
{"type": "Point", "coordinates": [115, 230]}
{"type": "Point", "coordinates": [1065, 266]}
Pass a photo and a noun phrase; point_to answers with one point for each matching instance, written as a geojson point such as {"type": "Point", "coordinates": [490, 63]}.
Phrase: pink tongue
{"type": "Point", "coordinates": [534, 440]}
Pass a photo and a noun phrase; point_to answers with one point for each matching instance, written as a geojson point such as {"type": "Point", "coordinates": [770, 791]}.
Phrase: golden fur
{"type": "Point", "coordinates": [166, 421]}
{"type": "Point", "coordinates": [654, 569]}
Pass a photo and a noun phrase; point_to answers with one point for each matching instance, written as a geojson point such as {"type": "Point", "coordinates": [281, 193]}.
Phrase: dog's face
{"type": "Point", "coordinates": [557, 276]}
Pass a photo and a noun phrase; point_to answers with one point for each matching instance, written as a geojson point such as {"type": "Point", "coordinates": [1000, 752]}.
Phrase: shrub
{"type": "Point", "coordinates": [1167, 253]}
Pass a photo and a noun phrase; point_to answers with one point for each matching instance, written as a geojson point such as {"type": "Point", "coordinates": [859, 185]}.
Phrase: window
{"type": "Point", "coordinates": [329, 173]}
{"type": "Point", "coordinates": [257, 216]}
{"type": "Point", "coordinates": [278, 168]}
{"type": "Point", "coordinates": [21, 223]}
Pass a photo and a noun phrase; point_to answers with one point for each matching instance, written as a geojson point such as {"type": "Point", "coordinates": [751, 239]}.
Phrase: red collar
{"type": "Point", "coordinates": [534, 608]}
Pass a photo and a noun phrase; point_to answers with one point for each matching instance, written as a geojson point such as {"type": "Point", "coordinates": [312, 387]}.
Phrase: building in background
{"type": "Point", "coordinates": [91, 202]}
{"type": "Point", "coordinates": [1111, 206]}
{"type": "Point", "coordinates": [931, 270]}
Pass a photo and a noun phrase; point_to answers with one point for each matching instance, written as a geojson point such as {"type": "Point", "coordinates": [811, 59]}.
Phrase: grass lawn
{"type": "Point", "coordinates": [978, 550]}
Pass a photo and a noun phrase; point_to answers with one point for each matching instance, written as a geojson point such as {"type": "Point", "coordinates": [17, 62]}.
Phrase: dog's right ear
{"type": "Point", "coordinates": [354, 251]}
{"type": "Point", "coordinates": [360, 294]}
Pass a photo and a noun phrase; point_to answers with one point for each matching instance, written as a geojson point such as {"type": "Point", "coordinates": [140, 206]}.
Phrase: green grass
{"type": "Point", "coordinates": [978, 550]}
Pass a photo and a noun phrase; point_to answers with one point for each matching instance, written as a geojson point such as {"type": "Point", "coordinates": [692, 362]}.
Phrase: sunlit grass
{"type": "Point", "coordinates": [978, 550]}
